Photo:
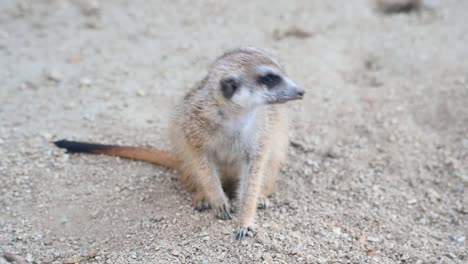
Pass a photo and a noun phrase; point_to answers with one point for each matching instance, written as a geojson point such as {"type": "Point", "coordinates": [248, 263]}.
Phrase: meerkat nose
{"type": "Point", "coordinates": [300, 92]}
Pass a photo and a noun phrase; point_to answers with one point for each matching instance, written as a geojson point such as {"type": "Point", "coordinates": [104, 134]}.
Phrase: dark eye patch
{"type": "Point", "coordinates": [270, 80]}
{"type": "Point", "coordinates": [229, 87]}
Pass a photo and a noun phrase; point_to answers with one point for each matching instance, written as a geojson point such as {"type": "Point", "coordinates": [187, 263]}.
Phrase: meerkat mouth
{"type": "Point", "coordinates": [285, 100]}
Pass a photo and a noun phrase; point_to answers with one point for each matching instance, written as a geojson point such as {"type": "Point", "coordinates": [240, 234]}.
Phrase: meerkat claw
{"type": "Point", "coordinates": [242, 232]}
{"type": "Point", "coordinates": [201, 206]}
{"type": "Point", "coordinates": [233, 209]}
{"type": "Point", "coordinates": [223, 213]}
{"type": "Point", "coordinates": [263, 203]}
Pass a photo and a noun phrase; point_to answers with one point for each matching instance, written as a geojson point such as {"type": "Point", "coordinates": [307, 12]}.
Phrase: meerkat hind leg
{"type": "Point", "coordinates": [213, 193]}
{"type": "Point", "coordinates": [209, 193]}
{"type": "Point", "coordinates": [188, 181]}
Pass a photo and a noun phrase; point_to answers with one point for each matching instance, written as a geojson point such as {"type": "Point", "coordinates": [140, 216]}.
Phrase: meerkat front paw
{"type": "Point", "coordinates": [243, 231]}
{"type": "Point", "coordinates": [201, 205]}
{"type": "Point", "coordinates": [222, 212]}
{"type": "Point", "coordinates": [221, 207]}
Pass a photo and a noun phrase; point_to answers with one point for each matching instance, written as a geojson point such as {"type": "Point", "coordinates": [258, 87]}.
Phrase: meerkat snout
{"type": "Point", "coordinates": [284, 91]}
{"type": "Point", "coordinates": [279, 88]}
{"type": "Point", "coordinates": [300, 92]}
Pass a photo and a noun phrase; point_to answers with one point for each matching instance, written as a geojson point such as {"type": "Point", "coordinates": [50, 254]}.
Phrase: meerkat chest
{"type": "Point", "coordinates": [236, 139]}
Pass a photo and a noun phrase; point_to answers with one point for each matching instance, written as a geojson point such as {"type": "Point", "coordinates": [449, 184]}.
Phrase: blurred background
{"type": "Point", "coordinates": [379, 147]}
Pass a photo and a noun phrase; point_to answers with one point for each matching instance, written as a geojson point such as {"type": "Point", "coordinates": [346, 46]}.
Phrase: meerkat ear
{"type": "Point", "coordinates": [229, 86]}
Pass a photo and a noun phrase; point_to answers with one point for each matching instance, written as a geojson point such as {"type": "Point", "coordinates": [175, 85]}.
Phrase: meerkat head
{"type": "Point", "coordinates": [248, 77]}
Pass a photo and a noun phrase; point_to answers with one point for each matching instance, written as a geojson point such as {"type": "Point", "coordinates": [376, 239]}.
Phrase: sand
{"type": "Point", "coordinates": [377, 167]}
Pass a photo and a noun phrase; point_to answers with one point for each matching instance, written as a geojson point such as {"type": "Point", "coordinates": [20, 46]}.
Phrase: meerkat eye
{"type": "Point", "coordinates": [270, 79]}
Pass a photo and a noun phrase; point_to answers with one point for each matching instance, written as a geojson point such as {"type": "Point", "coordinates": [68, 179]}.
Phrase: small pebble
{"type": "Point", "coordinates": [54, 75]}
{"type": "Point", "coordinates": [268, 258]}
{"type": "Point", "coordinates": [461, 80]}
{"type": "Point", "coordinates": [85, 82]}
{"type": "Point", "coordinates": [314, 164]}
{"type": "Point", "coordinates": [90, 7]}
{"type": "Point", "coordinates": [374, 239]}
{"type": "Point", "coordinates": [322, 259]}
{"type": "Point", "coordinates": [141, 93]}
{"type": "Point", "coordinates": [458, 239]}
{"type": "Point", "coordinates": [46, 135]}
{"type": "Point", "coordinates": [49, 259]}
{"type": "Point", "coordinates": [397, 6]}
{"type": "Point", "coordinates": [333, 152]}
{"type": "Point", "coordinates": [275, 227]}
{"type": "Point", "coordinates": [337, 230]}
{"type": "Point", "coordinates": [29, 258]}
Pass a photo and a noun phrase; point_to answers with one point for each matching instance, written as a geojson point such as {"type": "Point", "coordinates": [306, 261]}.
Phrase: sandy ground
{"type": "Point", "coordinates": [377, 169]}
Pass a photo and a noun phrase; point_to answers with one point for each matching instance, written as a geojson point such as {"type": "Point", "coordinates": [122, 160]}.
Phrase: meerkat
{"type": "Point", "coordinates": [229, 136]}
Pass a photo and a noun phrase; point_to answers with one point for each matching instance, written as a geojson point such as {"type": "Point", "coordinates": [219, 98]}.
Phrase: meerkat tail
{"type": "Point", "coordinates": [155, 156]}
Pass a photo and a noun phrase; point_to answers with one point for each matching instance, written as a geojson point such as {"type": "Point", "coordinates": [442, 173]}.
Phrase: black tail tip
{"type": "Point", "coordinates": [61, 143]}
{"type": "Point", "coordinates": [77, 147]}
{"type": "Point", "coordinates": [69, 146]}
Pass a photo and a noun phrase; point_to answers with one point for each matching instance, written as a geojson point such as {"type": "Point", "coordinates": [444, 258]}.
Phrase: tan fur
{"type": "Point", "coordinates": [151, 155]}
{"type": "Point", "coordinates": [229, 145]}
{"type": "Point", "coordinates": [199, 138]}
